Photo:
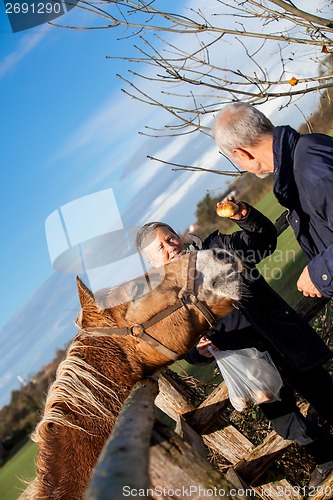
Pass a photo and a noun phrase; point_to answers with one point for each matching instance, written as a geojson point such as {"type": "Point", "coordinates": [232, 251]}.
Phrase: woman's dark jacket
{"type": "Point", "coordinates": [262, 318]}
{"type": "Point", "coordinates": [303, 183]}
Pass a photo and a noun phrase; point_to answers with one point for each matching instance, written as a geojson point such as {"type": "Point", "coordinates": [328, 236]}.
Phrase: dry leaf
{"type": "Point", "coordinates": [325, 50]}
{"type": "Point", "coordinates": [293, 81]}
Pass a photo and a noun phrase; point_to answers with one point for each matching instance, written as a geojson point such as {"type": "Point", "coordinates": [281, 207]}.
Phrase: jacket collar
{"type": "Point", "coordinates": [284, 142]}
{"type": "Point", "coordinates": [196, 243]}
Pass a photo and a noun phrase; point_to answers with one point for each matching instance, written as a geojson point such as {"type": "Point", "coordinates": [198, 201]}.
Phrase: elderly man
{"type": "Point", "coordinates": [262, 320]}
{"type": "Point", "coordinates": [302, 166]}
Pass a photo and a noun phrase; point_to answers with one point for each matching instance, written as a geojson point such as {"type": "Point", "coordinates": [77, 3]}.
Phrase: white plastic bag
{"type": "Point", "coordinates": [251, 376]}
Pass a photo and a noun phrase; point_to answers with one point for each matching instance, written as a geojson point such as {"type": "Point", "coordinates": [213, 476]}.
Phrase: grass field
{"type": "Point", "coordinates": [20, 466]}
{"type": "Point", "coordinates": [283, 268]}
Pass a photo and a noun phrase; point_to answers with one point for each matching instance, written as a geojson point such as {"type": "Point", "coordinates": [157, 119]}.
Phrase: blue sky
{"type": "Point", "coordinates": [55, 84]}
{"type": "Point", "coordinates": [68, 131]}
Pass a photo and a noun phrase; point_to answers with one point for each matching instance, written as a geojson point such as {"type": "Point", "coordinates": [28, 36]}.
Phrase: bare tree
{"type": "Point", "coordinates": [192, 60]}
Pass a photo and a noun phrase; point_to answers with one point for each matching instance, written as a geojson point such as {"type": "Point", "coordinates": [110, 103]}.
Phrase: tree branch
{"type": "Point", "coordinates": [328, 23]}
{"type": "Point", "coordinates": [192, 168]}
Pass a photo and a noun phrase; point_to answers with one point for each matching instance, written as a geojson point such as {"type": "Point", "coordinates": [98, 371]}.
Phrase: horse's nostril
{"type": "Point", "coordinates": [230, 273]}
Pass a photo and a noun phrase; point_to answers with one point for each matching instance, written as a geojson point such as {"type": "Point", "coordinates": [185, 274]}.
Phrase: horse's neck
{"type": "Point", "coordinates": [67, 457]}
{"type": "Point", "coordinates": [69, 450]}
{"type": "Point", "coordinates": [82, 405]}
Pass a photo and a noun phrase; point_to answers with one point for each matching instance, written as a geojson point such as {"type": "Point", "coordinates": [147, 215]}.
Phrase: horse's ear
{"type": "Point", "coordinates": [90, 313]}
{"type": "Point", "coordinates": [86, 297]}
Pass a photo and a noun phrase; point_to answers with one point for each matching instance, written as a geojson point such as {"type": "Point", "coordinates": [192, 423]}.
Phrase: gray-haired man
{"type": "Point", "coordinates": [302, 166]}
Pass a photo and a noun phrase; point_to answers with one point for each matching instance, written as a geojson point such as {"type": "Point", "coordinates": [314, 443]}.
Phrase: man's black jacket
{"type": "Point", "coordinates": [262, 318]}
{"type": "Point", "coordinates": [303, 183]}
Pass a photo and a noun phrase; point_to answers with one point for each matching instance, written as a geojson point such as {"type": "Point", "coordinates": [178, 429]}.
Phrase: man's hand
{"type": "Point", "coordinates": [242, 208]}
{"type": "Point", "coordinates": [305, 285]}
{"type": "Point", "coordinates": [202, 347]}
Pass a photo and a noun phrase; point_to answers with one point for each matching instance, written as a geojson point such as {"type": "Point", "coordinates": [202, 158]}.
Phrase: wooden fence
{"type": "Point", "coordinates": [146, 459]}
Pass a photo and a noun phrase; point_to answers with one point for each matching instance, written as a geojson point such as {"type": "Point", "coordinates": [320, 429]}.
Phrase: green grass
{"type": "Point", "coordinates": [269, 206]}
{"type": "Point", "coordinates": [203, 372]}
{"type": "Point", "coordinates": [283, 268]}
{"type": "Point", "coordinates": [20, 466]}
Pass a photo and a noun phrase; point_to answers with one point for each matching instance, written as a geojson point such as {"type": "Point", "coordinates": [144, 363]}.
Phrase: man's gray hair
{"type": "Point", "coordinates": [146, 235]}
{"type": "Point", "coordinates": [240, 125]}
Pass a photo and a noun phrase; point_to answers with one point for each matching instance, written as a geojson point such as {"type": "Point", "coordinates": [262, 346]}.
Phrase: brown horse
{"type": "Point", "coordinates": [100, 368]}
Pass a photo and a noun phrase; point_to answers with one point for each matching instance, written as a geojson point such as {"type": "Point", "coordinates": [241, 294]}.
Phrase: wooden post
{"type": "Point", "coordinates": [203, 417]}
{"type": "Point", "coordinates": [180, 472]}
{"type": "Point", "coordinates": [230, 443]}
{"type": "Point", "coordinates": [124, 459]}
{"type": "Point", "coordinates": [261, 458]}
{"type": "Point", "coordinates": [174, 397]}
{"type": "Point", "coordinates": [325, 490]}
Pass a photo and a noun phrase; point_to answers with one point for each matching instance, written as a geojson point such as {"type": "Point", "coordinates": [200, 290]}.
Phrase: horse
{"type": "Point", "coordinates": [126, 334]}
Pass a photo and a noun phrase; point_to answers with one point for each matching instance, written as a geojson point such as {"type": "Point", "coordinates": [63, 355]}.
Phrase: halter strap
{"type": "Point", "coordinates": [186, 297]}
{"type": "Point", "coordinates": [187, 294]}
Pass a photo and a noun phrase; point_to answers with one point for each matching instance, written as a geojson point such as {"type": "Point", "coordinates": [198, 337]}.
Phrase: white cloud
{"type": "Point", "coordinates": [180, 188]}
{"type": "Point", "coordinates": [171, 151]}
{"type": "Point", "coordinates": [24, 47]}
{"type": "Point", "coordinates": [5, 378]}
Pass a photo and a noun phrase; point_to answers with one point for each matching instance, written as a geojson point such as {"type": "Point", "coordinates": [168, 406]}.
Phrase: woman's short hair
{"type": "Point", "coordinates": [146, 234]}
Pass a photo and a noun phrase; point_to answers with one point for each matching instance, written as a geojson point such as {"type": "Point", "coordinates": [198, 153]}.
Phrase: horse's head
{"type": "Point", "coordinates": [215, 282]}
{"type": "Point", "coordinates": [99, 369]}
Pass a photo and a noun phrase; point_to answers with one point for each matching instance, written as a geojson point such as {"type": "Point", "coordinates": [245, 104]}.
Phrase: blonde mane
{"type": "Point", "coordinates": [76, 384]}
